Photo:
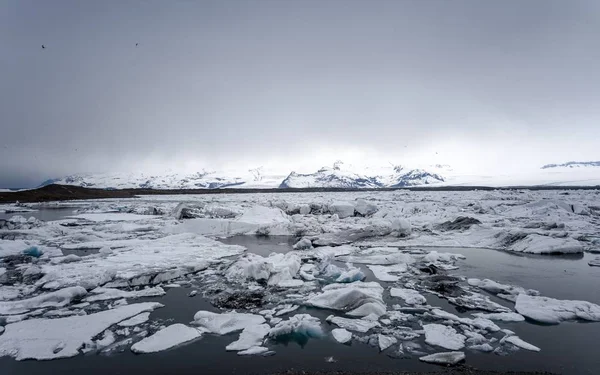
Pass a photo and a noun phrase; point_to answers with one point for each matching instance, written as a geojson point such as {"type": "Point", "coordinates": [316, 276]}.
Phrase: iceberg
{"type": "Point", "coordinates": [553, 311]}
{"type": "Point", "coordinates": [166, 338]}
{"type": "Point", "coordinates": [358, 325]}
{"type": "Point", "coordinates": [446, 358]}
{"type": "Point", "coordinates": [443, 336]}
{"type": "Point", "coordinates": [303, 325]}
{"type": "Point", "coordinates": [251, 336]}
{"type": "Point", "coordinates": [225, 323]}
{"type": "Point", "coordinates": [355, 299]}
{"type": "Point", "coordinates": [57, 298]}
{"type": "Point", "coordinates": [410, 296]}
{"type": "Point", "coordinates": [341, 335]}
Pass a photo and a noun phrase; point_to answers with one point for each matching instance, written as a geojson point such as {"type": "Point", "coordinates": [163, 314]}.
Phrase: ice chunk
{"type": "Point", "coordinates": [303, 244]}
{"type": "Point", "coordinates": [107, 339]}
{"type": "Point", "coordinates": [342, 209]}
{"type": "Point", "coordinates": [250, 337]}
{"type": "Point", "coordinates": [503, 317]}
{"type": "Point", "coordinates": [57, 298]}
{"type": "Point", "coordinates": [385, 342]}
{"type": "Point", "coordinates": [486, 348]}
{"type": "Point", "coordinates": [356, 299]}
{"type": "Point", "coordinates": [446, 358]}
{"type": "Point", "coordinates": [358, 325]}
{"type": "Point", "coordinates": [103, 294]}
{"type": "Point", "coordinates": [166, 338]}
{"type": "Point", "coordinates": [365, 208]}
{"type": "Point", "coordinates": [225, 323]}
{"type": "Point", "coordinates": [480, 323]}
{"type": "Point", "coordinates": [255, 350]}
{"type": "Point", "coordinates": [350, 275]}
{"type": "Point", "coordinates": [299, 324]}
{"type": "Point", "coordinates": [401, 226]}
{"type": "Point", "coordinates": [286, 309]}
{"type": "Point", "coordinates": [136, 320]}
{"type": "Point", "coordinates": [446, 337]}
{"type": "Point", "coordinates": [384, 273]}
{"type": "Point", "coordinates": [509, 292]}
{"type": "Point", "coordinates": [304, 209]}
{"type": "Point", "coordinates": [515, 340]}
{"type": "Point", "coordinates": [62, 337]}
{"type": "Point", "coordinates": [538, 244]}
{"type": "Point", "coordinates": [33, 251]}
{"type": "Point", "coordinates": [477, 301]}
{"type": "Point", "coordinates": [410, 296]}
{"type": "Point", "coordinates": [553, 311]}
{"type": "Point", "coordinates": [250, 266]}
{"type": "Point", "coordinates": [379, 256]}
{"type": "Point", "coordinates": [341, 335]}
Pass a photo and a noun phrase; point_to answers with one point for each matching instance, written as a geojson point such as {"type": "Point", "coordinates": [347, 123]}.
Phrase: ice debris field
{"type": "Point", "coordinates": [365, 267]}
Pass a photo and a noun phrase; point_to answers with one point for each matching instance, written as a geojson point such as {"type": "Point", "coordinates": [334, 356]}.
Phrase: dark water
{"type": "Point", "coordinates": [44, 213]}
{"type": "Point", "coordinates": [568, 348]}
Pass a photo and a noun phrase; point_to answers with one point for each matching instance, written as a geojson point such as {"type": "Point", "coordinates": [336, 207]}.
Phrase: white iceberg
{"type": "Point", "coordinates": [384, 273]}
{"type": "Point", "coordinates": [103, 294]}
{"type": "Point", "coordinates": [410, 296]}
{"type": "Point", "coordinates": [358, 325]}
{"type": "Point", "coordinates": [553, 311]}
{"type": "Point", "coordinates": [166, 338]}
{"type": "Point", "coordinates": [299, 324]}
{"type": "Point", "coordinates": [503, 317]}
{"type": "Point", "coordinates": [443, 336]}
{"type": "Point", "coordinates": [136, 320]}
{"type": "Point", "coordinates": [251, 336]}
{"type": "Point", "coordinates": [385, 342]}
{"type": "Point", "coordinates": [57, 298]}
{"type": "Point", "coordinates": [355, 299]}
{"type": "Point", "coordinates": [341, 335]}
{"type": "Point", "coordinates": [225, 323]}
{"type": "Point", "coordinates": [515, 340]}
{"type": "Point", "coordinates": [446, 358]}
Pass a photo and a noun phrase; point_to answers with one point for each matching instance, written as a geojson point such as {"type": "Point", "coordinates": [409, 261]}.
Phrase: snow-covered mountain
{"type": "Point", "coordinates": [573, 164]}
{"type": "Point", "coordinates": [337, 176]}
{"type": "Point", "coordinates": [255, 178]}
{"type": "Point", "coordinates": [341, 176]}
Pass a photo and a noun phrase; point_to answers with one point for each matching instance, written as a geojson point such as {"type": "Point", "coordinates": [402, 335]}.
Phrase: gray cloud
{"type": "Point", "coordinates": [292, 83]}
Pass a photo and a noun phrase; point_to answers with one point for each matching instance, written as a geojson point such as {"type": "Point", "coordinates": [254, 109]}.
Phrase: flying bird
{"type": "Point", "coordinates": [136, 44]}
{"type": "Point", "coordinates": [43, 46]}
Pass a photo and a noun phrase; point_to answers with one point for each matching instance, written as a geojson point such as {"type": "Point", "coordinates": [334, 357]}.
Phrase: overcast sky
{"type": "Point", "coordinates": [293, 85]}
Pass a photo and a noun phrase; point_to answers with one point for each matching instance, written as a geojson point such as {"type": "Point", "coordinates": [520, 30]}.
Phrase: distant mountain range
{"type": "Point", "coordinates": [573, 164]}
{"type": "Point", "coordinates": [339, 175]}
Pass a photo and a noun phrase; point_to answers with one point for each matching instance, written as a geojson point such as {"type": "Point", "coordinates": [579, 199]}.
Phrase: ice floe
{"type": "Point", "coordinates": [57, 298]}
{"type": "Point", "coordinates": [166, 338]}
{"type": "Point", "coordinates": [410, 296]}
{"type": "Point", "coordinates": [341, 335]}
{"type": "Point", "coordinates": [443, 336]}
{"type": "Point", "coordinates": [553, 311]}
{"type": "Point", "coordinates": [62, 337]}
{"type": "Point", "coordinates": [355, 299]}
{"type": "Point", "coordinates": [251, 336]}
{"type": "Point", "coordinates": [225, 323]}
{"type": "Point", "coordinates": [446, 358]}
{"type": "Point", "coordinates": [303, 325]}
